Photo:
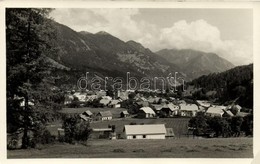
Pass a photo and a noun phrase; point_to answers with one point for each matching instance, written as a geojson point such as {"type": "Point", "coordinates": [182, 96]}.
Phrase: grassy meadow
{"type": "Point", "coordinates": [170, 148]}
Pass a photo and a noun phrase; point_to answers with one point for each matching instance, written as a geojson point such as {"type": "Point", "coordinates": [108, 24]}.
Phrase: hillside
{"type": "Point", "coordinates": [234, 84]}
{"type": "Point", "coordinates": [195, 63]}
{"type": "Point", "coordinates": [107, 55]}
{"type": "Point", "coordinates": [104, 55]}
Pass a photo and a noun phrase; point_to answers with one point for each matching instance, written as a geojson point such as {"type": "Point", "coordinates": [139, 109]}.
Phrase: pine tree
{"type": "Point", "coordinates": [29, 36]}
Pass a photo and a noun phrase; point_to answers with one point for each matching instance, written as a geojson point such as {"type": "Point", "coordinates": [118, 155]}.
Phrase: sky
{"type": "Point", "coordinates": [226, 32]}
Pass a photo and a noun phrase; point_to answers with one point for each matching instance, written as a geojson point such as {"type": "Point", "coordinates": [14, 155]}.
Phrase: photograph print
{"type": "Point", "coordinates": [129, 82]}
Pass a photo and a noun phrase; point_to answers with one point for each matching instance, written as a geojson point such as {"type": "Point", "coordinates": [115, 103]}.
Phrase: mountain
{"type": "Point", "coordinates": [105, 55]}
{"type": "Point", "coordinates": [195, 63]}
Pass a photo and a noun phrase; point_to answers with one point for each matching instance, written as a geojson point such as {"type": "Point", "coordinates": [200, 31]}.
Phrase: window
{"type": "Point", "coordinates": [144, 136]}
{"type": "Point", "coordinates": [134, 137]}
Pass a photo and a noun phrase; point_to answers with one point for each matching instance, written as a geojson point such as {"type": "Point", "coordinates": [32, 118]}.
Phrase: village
{"type": "Point", "coordinates": [150, 117]}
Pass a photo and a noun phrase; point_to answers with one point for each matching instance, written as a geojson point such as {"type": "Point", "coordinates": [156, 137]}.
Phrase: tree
{"type": "Point", "coordinates": [110, 92]}
{"type": "Point", "coordinates": [132, 95]}
{"type": "Point", "coordinates": [75, 103]}
{"type": "Point", "coordinates": [75, 129]}
{"type": "Point", "coordinates": [199, 124]}
{"type": "Point", "coordinates": [236, 123]}
{"type": "Point", "coordinates": [29, 36]}
{"type": "Point", "coordinates": [247, 125]}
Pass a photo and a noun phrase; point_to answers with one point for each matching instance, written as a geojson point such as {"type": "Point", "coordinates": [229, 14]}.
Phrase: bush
{"type": "Point", "coordinates": [42, 137]}
{"type": "Point", "coordinates": [13, 143]}
{"type": "Point", "coordinates": [118, 150]}
{"type": "Point", "coordinates": [138, 151]}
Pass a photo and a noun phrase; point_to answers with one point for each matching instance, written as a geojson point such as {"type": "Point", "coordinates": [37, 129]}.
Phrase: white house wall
{"type": "Point", "coordinates": [154, 136]}
{"type": "Point", "coordinates": [106, 118]}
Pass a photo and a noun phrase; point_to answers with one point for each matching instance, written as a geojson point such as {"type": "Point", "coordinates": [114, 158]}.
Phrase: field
{"type": "Point", "coordinates": [179, 125]}
{"type": "Point", "coordinates": [171, 148]}
{"type": "Point", "coordinates": [179, 147]}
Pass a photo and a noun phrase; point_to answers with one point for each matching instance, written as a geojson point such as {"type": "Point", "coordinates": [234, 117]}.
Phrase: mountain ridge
{"type": "Point", "coordinates": [106, 55]}
{"type": "Point", "coordinates": [198, 61]}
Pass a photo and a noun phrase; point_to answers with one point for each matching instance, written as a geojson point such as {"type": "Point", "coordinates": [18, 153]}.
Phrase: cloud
{"type": "Point", "coordinates": [198, 34]}
{"type": "Point", "coordinates": [202, 36]}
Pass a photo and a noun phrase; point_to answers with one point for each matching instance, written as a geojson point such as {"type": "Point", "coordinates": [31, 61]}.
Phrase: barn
{"type": "Point", "coordinates": [149, 131]}
{"type": "Point", "coordinates": [105, 115]}
{"type": "Point", "coordinates": [124, 114]}
{"type": "Point", "coordinates": [86, 116]}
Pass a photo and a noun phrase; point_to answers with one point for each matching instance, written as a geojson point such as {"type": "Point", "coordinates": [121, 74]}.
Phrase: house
{"type": "Point", "coordinates": [170, 109]}
{"type": "Point", "coordinates": [122, 95]}
{"type": "Point", "coordinates": [104, 101]}
{"type": "Point", "coordinates": [80, 96]}
{"type": "Point", "coordinates": [203, 103]}
{"type": "Point", "coordinates": [166, 110]}
{"type": "Point", "coordinates": [101, 93]}
{"type": "Point", "coordinates": [153, 100]}
{"type": "Point", "coordinates": [105, 115]}
{"type": "Point", "coordinates": [91, 97]}
{"type": "Point", "coordinates": [30, 103]}
{"type": "Point", "coordinates": [86, 116]}
{"type": "Point", "coordinates": [151, 131]}
{"type": "Point", "coordinates": [140, 98]}
{"type": "Point", "coordinates": [146, 112]}
{"type": "Point", "coordinates": [242, 114]}
{"type": "Point", "coordinates": [188, 110]}
{"type": "Point", "coordinates": [124, 114]}
{"type": "Point", "coordinates": [68, 99]}
{"type": "Point", "coordinates": [101, 133]}
{"type": "Point", "coordinates": [114, 104]}
{"type": "Point", "coordinates": [157, 108]}
{"type": "Point", "coordinates": [215, 111]}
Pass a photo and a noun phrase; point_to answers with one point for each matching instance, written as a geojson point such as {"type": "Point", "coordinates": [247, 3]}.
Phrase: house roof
{"type": "Point", "coordinates": [238, 107]}
{"type": "Point", "coordinates": [147, 110]}
{"type": "Point", "coordinates": [84, 117]}
{"type": "Point", "coordinates": [87, 113]}
{"type": "Point", "coordinates": [153, 100]}
{"type": "Point", "coordinates": [229, 113]}
{"type": "Point", "coordinates": [171, 107]}
{"type": "Point", "coordinates": [203, 103]}
{"type": "Point", "coordinates": [145, 129]}
{"type": "Point", "coordinates": [107, 97]}
{"type": "Point", "coordinates": [104, 101]}
{"type": "Point", "coordinates": [216, 109]}
{"type": "Point", "coordinates": [101, 129]}
{"type": "Point", "coordinates": [189, 107]}
{"type": "Point", "coordinates": [91, 97]}
{"type": "Point", "coordinates": [114, 102]}
{"type": "Point", "coordinates": [242, 114]}
{"type": "Point", "coordinates": [124, 112]}
{"type": "Point", "coordinates": [105, 114]}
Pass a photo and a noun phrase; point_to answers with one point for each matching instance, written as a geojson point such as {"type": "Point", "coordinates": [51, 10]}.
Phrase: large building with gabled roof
{"type": "Point", "coordinates": [148, 131]}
